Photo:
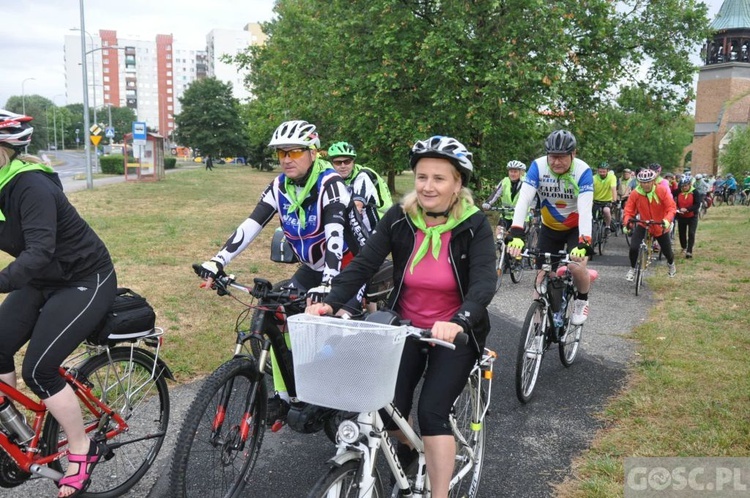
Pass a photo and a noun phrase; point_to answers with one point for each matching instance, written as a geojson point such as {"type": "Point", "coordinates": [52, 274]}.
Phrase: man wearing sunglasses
{"type": "Point", "coordinates": [317, 216]}
{"type": "Point", "coordinates": [364, 184]}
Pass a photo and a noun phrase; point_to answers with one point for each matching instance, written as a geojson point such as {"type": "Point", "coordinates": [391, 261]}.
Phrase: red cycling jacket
{"type": "Point", "coordinates": [657, 205]}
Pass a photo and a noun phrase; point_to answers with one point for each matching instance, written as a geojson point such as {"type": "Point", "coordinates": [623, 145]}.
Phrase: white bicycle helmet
{"type": "Point", "coordinates": [295, 133]}
{"type": "Point", "coordinates": [445, 148]}
{"type": "Point", "coordinates": [15, 130]}
{"type": "Point", "coordinates": [516, 165]}
{"type": "Point", "coordinates": [646, 175]}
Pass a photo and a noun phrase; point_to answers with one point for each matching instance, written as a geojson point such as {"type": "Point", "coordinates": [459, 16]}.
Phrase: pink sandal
{"type": "Point", "coordinates": [86, 464]}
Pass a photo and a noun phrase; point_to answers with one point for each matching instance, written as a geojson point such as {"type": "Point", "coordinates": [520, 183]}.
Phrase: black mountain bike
{"type": "Point", "coordinates": [222, 433]}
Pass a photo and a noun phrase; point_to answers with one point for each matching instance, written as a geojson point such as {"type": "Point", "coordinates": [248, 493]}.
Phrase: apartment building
{"type": "Point", "coordinates": [149, 76]}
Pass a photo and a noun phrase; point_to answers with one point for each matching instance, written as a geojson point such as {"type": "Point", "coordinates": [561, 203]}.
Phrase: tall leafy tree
{"type": "Point", "coordinates": [496, 74]}
{"type": "Point", "coordinates": [210, 119]}
{"type": "Point", "coordinates": [734, 157]}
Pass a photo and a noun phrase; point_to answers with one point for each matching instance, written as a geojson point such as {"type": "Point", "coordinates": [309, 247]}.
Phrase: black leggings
{"type": "Point", "coordinates": [687, 240]}
{"type": "Point", "coordinates": [639, 233]}
{"type": "Point", "coordinates": [445, 378]}
{"type": "Point", "coordinates": [54, 321]}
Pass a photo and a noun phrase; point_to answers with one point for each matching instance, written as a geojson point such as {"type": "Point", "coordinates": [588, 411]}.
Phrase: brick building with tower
{"type": "Point", "coordinates": [723, 93]}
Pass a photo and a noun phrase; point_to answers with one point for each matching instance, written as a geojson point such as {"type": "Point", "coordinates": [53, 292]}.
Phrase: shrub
{"type": "Point", "coordinates": [170, 162]}
{"type": "Point", "coordinates": [112, 165]}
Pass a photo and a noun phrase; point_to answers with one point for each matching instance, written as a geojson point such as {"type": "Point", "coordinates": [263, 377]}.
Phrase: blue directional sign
{"type": "Point", "coordinates": [109, 132]}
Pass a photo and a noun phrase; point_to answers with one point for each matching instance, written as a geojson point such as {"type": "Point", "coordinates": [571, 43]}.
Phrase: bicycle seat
{"type": "Point", "coordinates": [561, 270]}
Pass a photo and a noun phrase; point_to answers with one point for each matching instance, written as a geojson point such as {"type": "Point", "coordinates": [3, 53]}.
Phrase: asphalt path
{"type": "Point", "coordinates": [530, 447]}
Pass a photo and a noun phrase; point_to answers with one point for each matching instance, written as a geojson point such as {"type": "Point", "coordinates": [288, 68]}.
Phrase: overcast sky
{"type": "Point", "coordinates": [34, 32]}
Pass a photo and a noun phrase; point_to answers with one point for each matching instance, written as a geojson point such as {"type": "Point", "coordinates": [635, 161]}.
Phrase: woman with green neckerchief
{"type": "Point", "coordinates": [59, 288]}
{"type": "Point", "coordinates": [443, 253]}
{"type": "Point", "coordinates": [317, 216]}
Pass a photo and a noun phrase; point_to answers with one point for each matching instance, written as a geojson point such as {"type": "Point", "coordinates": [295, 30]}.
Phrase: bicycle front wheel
{"type": "Point", "coordinates": [571, 339]}
{"type": "Point", "coordinates": [468, 427]}
{"type": "Point", "coordinates": [344, 482]}
{"type": "Point", "coordinates": [640, 269]}
{"type": "Point", "coordinates": [222, 433]}
{"type": "Point", "coordinates": [500, 265]}
{"type": "Point", "coordinates": [126, 384]}
{"type": "Point", "coordinates": [530, 351]}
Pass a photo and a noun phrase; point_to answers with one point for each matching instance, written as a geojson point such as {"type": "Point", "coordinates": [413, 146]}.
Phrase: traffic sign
{"type": "Point", "coordinates": [109, 132]}
{"type": "Point", "coordinates": [95, 139]}
{"type": "Point", "coordinates": [139, 133]}
{"type": "Point", "coordinates": [95, 130]}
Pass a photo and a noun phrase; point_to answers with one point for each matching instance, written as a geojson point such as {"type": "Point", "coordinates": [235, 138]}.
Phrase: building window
{"type": "Point", "coordinates": [106, 79]}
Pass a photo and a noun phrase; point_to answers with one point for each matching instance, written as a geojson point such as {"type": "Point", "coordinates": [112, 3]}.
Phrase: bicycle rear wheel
{"type": "Point", "coordinates": [530, 351]}
{"type": "Point", "coordinates": [468, 428]}
{"type": "Point", "coordinates": [127, 386]}
{"type": "Point", "coordinates": [222, 433]}
{"type": "Point", "coordinates": [343, 482]}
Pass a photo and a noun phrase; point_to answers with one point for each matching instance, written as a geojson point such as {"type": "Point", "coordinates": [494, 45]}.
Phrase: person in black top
{"type": "Point", "coordinates": [209, 163]}
{"type": "Point", "coordinates": [59, 287]}
{"type": "Point", "coordinates": [443, 252]}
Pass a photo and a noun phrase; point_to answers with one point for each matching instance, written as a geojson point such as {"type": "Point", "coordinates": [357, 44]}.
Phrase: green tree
{"type": "Point", "coordinates": [210, 119]}
{"type": "Point", "coordinates": [496, 74]}
{"type": "Point", "coordinates": [733, 158]}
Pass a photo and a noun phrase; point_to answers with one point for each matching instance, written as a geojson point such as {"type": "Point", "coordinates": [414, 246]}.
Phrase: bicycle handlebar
{"type": "Point", "coordinates": [425, 335]}
{"type": "Point", "coordinates": [262, 289]}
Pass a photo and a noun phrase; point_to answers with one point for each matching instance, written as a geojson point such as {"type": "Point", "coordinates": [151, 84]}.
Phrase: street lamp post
{"type": "Point", "coordinates": [54, 121]}
{"type": "Point", "coordinates": [93, 63]}
{"type": "Point", "coordinates": [85, 76]}
{"type": "Point", "coordinates": [23, 104]}
{"type": "Point", "coordinates": [23, 94]}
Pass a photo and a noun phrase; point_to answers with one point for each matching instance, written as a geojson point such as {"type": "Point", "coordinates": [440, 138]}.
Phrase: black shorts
{"type": "Point", "coordinates": [554, 241]}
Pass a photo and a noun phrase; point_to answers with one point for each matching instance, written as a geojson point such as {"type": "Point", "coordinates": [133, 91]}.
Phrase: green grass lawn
{"type": "Point", "coordinates": [688, 392]}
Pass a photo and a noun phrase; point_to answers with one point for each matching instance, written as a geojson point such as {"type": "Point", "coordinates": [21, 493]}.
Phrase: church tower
{"type": "Point", "coordinates": [723, 94]}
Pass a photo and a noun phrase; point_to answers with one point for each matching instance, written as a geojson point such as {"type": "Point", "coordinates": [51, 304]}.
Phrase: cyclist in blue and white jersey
{"type": "Point", "coordinates": [565, 186]}
{"type": "Point", "coordinates": [318, 219]}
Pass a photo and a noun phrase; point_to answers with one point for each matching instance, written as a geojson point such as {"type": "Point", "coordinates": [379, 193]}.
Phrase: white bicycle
{"type": "Point", "coordinates": [327, 352]}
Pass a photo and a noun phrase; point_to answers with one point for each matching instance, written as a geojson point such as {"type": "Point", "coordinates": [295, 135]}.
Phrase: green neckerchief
{"type": "Point", "coordinates": [14, 168]}
{"type": "Point", "coordinates": [688, 192]}
{"type": "Point", "coordinates": [568, 178]}
{"type": "Point", "coordinates": [432, 234]}
{"type": "Point", "coordinates": [297, 199]}
{"type": "Point", "coordinates": [651, 196]}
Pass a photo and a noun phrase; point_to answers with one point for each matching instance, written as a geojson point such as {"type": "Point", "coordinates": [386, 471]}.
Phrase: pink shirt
{"type": "Point", "coordinates": [430, 294]}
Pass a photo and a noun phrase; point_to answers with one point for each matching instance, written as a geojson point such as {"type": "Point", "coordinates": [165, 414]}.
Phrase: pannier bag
{"type": "Point", "coordinates": [128, 318]}
{"type": "Point", "coordinates": [281, 249]}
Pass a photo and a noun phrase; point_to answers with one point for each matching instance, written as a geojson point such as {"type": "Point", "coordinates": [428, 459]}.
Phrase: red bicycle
{"type": "Point", "coordinates": [125, 404]}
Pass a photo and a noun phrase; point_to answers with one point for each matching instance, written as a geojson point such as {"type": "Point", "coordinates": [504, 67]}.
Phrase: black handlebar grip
{"type": "Point", "coordinates": [197, 269]}
{"type": "Point", "coordinates": [462, 339]}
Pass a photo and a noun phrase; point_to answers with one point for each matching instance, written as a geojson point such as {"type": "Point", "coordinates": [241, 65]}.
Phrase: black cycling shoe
{"type": "Point", "coordinates": [277, 410]}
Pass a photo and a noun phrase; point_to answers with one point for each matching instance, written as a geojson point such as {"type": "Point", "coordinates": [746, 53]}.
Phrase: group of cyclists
{"type": "Point", "coordinates": [340, 221]}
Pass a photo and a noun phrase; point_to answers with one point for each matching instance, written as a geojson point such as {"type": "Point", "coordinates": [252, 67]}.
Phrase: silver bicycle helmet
{"type": "Point", "coordinates": [516, 165]}
{"type": "Point", "coordinates": [15, 130]}
{"type": "Point", "coordinates": [295, 133]}
{"type": "Point", "coordinates": [560, 142]}
{"type": "Point", "coordinates": [445, 148]}
{"type": "Point", "coordinates": [646, 175]}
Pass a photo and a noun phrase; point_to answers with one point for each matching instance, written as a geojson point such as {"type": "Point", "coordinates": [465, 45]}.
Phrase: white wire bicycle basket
{"type": "Point", "coordinates": [348, 365]}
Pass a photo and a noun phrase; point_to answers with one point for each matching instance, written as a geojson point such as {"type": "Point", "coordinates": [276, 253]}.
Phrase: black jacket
{"type": "Point", "coordinates": [52, 244]}
{"type": "Point", "coordinates": [472, 255]}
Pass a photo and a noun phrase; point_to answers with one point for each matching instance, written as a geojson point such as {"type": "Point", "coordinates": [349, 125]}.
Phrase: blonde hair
{"type": "Point", "coordinates": [410, 202]}
{"type": "Point", "coordinates": [6, 154]}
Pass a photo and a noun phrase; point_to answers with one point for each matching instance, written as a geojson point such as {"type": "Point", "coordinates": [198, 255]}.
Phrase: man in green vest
{"type": "Point", "coordinates": [507, 191]}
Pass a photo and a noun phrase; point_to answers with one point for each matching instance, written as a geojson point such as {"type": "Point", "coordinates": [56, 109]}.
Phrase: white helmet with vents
{"type": "Point", "coordinates": [446, 148]}
{"type": "Point", "coordinates": [295, 133]}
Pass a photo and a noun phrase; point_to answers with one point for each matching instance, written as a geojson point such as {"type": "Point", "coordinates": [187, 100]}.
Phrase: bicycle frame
{"type": "Point", "coordinates": [372, 436]}
{"type": "Point", "coordinates": [31, 457]}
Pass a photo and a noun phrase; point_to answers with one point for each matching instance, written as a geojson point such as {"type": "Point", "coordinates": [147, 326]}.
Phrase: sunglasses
{"type": "Point", "coordinates": [343, 162]}
{"type": "Point", "coordinates": [293, 154]}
